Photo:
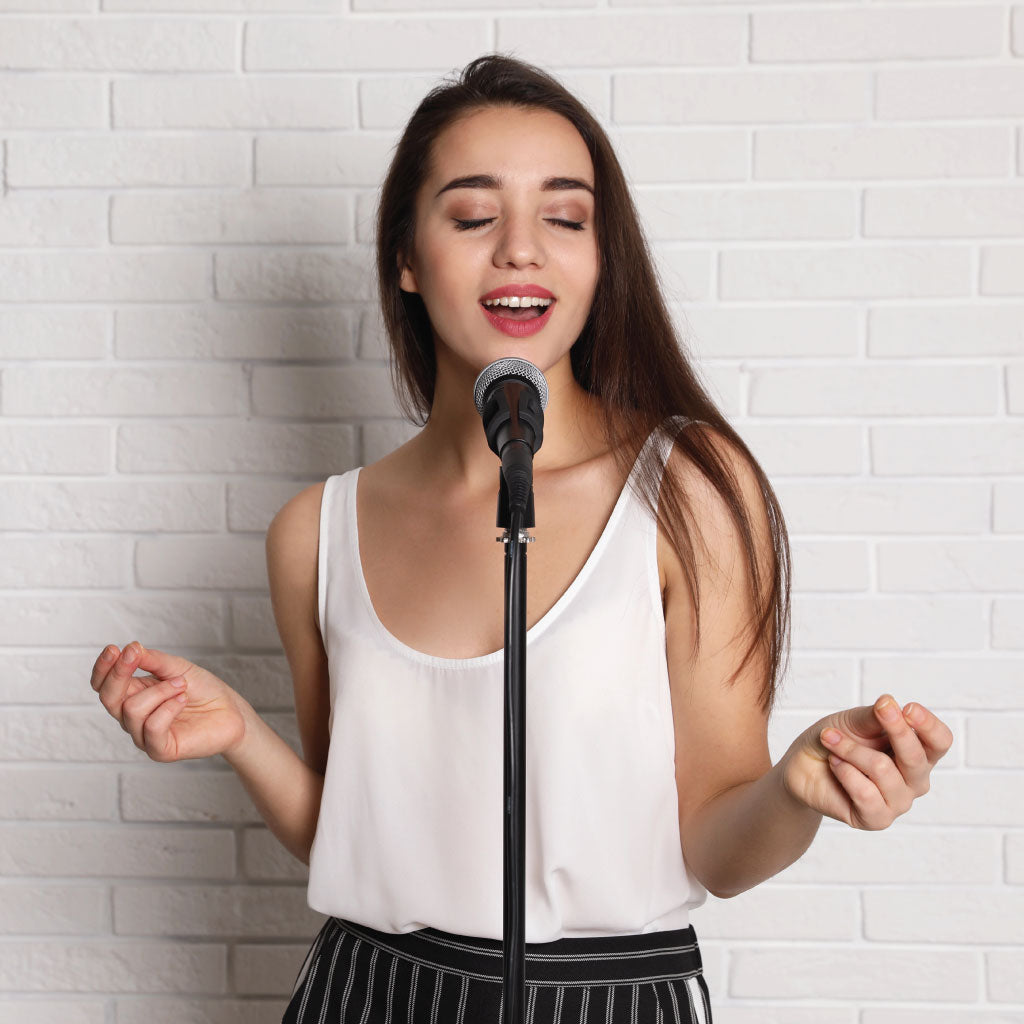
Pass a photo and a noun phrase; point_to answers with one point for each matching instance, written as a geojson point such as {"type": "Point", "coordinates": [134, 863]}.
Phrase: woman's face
{"type": "Point", "coordinates": [524, 218]}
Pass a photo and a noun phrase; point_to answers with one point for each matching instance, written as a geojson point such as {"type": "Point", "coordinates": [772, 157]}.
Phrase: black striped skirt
{"type": "Point", "coordinates": [354, 974]}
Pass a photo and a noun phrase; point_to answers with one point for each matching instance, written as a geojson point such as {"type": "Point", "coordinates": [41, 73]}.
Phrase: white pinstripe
{"type": "Point", "coordinates": [330, 974]}
{"type": "Point", "coordinates": [584, 1005]}
{"type": "Point", "coordinates": [531, 1003]}
{"type": "Point", "coordinates": [438, 982]}
{"type": "Point", "coordinates": [412, 989]}
{"type": "Point", "coordinates": [369, 986]}
{"type": "Point", "coordinates": [462, 1001]}
{"type": "Point", "coordinates": [608, 1009]}
{"type": "Point", "coordinates": [348, 983]}
{"type": "Point", "coordinates": [559, 996]}
{"type": "Point", "coordinates": [697, 998]}
{"type": "Point", "coordinates": [675, 1004]}
{"type": "Point", "coordinates": [636, 999]}
{"type": "Point", "coordinates": [391, 989]}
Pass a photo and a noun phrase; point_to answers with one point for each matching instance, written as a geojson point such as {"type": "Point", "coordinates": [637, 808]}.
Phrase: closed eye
{"type": "Point", "coordinates": [466, 225]}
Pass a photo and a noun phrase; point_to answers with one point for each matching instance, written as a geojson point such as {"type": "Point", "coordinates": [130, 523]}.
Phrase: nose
{"type": "Point", "coordinates": [518, 242]}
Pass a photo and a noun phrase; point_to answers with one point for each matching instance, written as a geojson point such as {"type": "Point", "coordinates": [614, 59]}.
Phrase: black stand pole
{"type": "Point", "coordinates": [515, 540]}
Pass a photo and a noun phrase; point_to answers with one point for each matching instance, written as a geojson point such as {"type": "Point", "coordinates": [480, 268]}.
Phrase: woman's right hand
{"type": "Point", "coordinates": [211, 719]}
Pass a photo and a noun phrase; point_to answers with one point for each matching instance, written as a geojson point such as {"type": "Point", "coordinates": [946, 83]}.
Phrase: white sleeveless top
{"type": "Point", "coordinates": [410, 833]}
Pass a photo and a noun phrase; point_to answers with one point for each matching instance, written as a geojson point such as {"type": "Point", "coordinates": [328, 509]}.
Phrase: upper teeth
{"type": "Point", "coordinates": [516, 300]}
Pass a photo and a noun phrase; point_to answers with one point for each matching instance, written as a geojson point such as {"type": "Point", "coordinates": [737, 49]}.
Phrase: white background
{"type": "Point", "coordinates": [188, 337]}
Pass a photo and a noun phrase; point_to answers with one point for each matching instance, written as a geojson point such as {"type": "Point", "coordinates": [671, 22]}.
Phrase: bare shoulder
{"type": "Point", "coordinates": [292, 548]}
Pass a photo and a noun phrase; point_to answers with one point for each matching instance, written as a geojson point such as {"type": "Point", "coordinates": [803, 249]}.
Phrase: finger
{"type": "Point", "coordinates": [140, 706]}
{"type": "Point", "coordinates": [908, 751]}
{"type": "Point", "coordinates": [157, 740]}
{"type": "Point", "coordinates": [869, 805]}
{"type": "Point", "coordinates": [114, 687]}
{"type": "Point", "coordinates": [161, 664]}
{"type": "Point", "coordinates": [935, 736]}
{"type": "Point", "coordinates": [102, 664]}
{"type": "Point", "coordinates": [879, 768]}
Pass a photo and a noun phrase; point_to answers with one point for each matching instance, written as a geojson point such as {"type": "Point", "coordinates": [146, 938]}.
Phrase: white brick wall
{"type": "Point", "coordinates": [833, 189]}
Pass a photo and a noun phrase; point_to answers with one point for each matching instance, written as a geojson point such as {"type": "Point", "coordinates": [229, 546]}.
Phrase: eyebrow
{"type": "Point", "coordinates": [490, 181]}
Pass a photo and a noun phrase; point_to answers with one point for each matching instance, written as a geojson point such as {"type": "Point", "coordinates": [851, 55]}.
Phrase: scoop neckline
{"type": "Point", "coordinates": [532, 633]}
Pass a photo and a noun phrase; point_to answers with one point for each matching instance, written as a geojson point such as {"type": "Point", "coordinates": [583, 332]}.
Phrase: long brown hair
{"type": "Point", "coordinates": [627, 353]}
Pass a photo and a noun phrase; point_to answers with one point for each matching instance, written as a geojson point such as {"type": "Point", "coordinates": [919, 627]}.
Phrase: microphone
{"type": "Point", "coordinates": [511, 395]}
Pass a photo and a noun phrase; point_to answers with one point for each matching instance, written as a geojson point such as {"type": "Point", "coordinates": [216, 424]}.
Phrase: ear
{"type": "Point", "coordinates": [407, 278]}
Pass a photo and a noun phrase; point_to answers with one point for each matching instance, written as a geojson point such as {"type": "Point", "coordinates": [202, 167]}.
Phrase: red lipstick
{"type": "Point", "coordinates": [518, 328]}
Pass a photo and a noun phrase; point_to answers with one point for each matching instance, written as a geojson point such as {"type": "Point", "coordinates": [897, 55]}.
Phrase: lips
{"type": "Point", "coordinates": [518, 328]}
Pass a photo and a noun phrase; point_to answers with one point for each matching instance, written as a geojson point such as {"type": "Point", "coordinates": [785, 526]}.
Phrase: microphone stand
{"type": "Point", "coordinates": [515, 540]}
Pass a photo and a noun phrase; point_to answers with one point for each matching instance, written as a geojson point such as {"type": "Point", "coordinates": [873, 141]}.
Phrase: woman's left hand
{"type": "Point", "coordinates": [876, 767]}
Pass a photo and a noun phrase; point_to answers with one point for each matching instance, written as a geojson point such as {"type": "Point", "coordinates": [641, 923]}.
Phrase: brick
{"type": "Point", "coordinates": [944, 212]}
{"type": "Point", "coordinates": [964, 917]}
{"type": "Point", "coordinates": [948, 330]}
{"type": "Point", "coordinates": [346, 44]}
{"type": "Point", "coordinates": [206, 563]}
{"type": "Point", "coordinates": [1015, 389]}
{"type": "Point", "coordinates": [218, 332]}
{"type": "Point", "coordinates": [286, 276]}
{"type": "Point", "coordinates": [268, 216]}
{"type": "Point", "coordinates": [161, 620]}
{"type": "Point", "coordinates": [861, 391]}
{"type": "Point", "coordinates": [185, 506]}
{"type": "Point", "coordinates": [57, 794]}
{"type": "Point", "coordinates": [124, 161]}
{"type": "Point", "coordinates": [323, 158]}
{"type": "Point", "coordinates": [962, 799]}
{"type": "Point", "coordinates": [116, 851]}
{"type": "Point", "coordinates": [1004, 975]}
{"type": "Point", "coordinates": [671, 156]}
{"type": "Point", "coordinates": [952, 91]}
{"type": "Point", "coordinates": [939, 449]}
{"type": "Point", "coordinates": [832, 565]}
{"type": "Point", "coordinates": [165, 1010]}
{"type": "Point", "coordinates": [323, 393]}
{"type": "Point", "coordinates": [253, 503]}
{"type": "Point", "coordinates": [842, 971]}
{"type": "Point", "coordinates": [232, 103]}
{"type": "Point", "coordinates": [117, 44]}
{"type": "Point", "coordinates": [112, 966]}
{"type": "Point", "coordinates": [890, 623]}
{"type": "Point", "coordinates": [264, 859]}
{"type": "Point", "coordinates": [951, 566]}
{"type": "Point", "coordinates": [63, 562]}
{"type": "Point", "coordinates": [845, 272]}
{"type": "Point", "coordinates": [747, 212]}
{"type": "Point", "coordinates": [199, 390]}
{"type": "Point", "coordinates": [53, 910]}
{"type": "Point", "coordinates": [767, 331]}
{"type": "Point", "coordinates": [56, 1011]}
{"type": "Point", "coordinates": [886, 33]}
{"type": "Point", "coordinates": [1007, 616]}
{"type": "Point", "coordinates": [613, 40]}
{"type": "Point", "coordinates": [206, 911]}
{"type": "Point", "coordinates": [381, 438]}
{"type": "Point", "coordinates": [948, 681]}
{"type": "Point", "coordinates": [1008, 507]}
{"type": "Point", "coordinates": [914, 507]}
{"type": "Point", "coordinates": [268, 968]}
{"type": "Point", "coordinates": [253, 624]}
{"type": "Point", "coordinates": [458, 5]}
{"type": "Point", "coordinates": [234, 447]}
{"type": "Point", "coordinates": [38, 102]}
{"type": "Point", "coordinates": [908, 857]}
{"type": "Point", "coordinates": [881, 151]}
{"type": "Point", "coordinates": [205, 796]}
{"type": "Point", "coordinates": [104, 276]}
{"type": "Point", "coordinates": [39, 448]}
{"type": "Point", "coordinates": [37, 221]}
{"type": "Point", "coordinates": [1002, 270]}
{"type": "Point", "coordinates": [709, 97]}
{"type": "Point", "coordinates": [48, 333]}
{"type": "Point", "coordinates": [993, 741]}
{"type": "Point", "coordinates": [813, 681]}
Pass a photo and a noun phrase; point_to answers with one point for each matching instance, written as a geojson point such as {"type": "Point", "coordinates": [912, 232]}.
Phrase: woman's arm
{"type": "Point", "coordinates": [284, 788]}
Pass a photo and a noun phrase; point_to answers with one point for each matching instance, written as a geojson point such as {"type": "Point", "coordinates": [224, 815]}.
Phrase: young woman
{"type": "Point", "coordinates": [657, 607]}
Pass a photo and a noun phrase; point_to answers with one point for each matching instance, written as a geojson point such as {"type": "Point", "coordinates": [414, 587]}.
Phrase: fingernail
{"type": "Point", "coordinates": [831, 736]}
{"type": "Point", "coordinates": [128, 653]}
{"type": "Point", "coordinates": [912, 712]}
{"type": "Point", "coordinates": [889, 711]}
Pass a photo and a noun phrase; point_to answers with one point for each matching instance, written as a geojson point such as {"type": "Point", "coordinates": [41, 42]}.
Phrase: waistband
{"type": "Point", "coordinates": [573, 960]}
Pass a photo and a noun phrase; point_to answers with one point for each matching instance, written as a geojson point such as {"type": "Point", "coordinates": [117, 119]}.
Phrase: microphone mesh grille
{"type": "Point", "coordinates": [522, 368]}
